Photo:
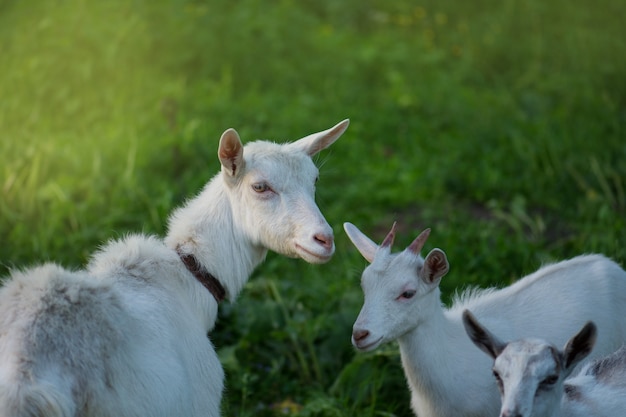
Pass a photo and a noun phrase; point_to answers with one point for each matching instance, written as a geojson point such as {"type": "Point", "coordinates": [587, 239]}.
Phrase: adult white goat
{"type": "Point", "coordinates": [128, 336]}
{"type": "Point", "coordinates": [449, 377]}
{"type": "Point", "coordinates": [531, 374]}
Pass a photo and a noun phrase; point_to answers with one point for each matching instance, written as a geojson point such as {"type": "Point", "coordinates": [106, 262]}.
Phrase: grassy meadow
{"type": "Point", "coordinates": [499, 124]}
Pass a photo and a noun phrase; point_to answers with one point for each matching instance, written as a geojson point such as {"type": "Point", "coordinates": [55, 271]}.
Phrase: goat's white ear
{"type": "Point", "coordinates": [316, 142]}
{"type": "Point", "coordinates": [435, 266]}
{"type": "Point", "coordinates": [230, 152]}
{"type": "Point", "coordinates": [482, 337]}
{"type": "Point", "coordinates": [579, 346]}
{"type": "Point", "coordinates": [364, 244]}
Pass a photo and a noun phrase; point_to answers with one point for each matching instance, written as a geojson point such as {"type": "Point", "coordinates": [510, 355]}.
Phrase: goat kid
{"type": "Point", "coordinates": [127, 337]}
{"type": "Point", "coordinates": [449, 377]}
{"type": "Point", "coordinates": [532, 375]}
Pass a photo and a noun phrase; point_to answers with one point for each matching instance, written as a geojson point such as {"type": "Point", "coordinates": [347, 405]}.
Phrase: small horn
{"type": "Point", "coordinates": [390, 237]}
{"type": "Point", "coordinates": [417, 245]}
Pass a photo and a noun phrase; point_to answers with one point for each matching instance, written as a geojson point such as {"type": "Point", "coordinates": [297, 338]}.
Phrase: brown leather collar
{"type": "Point", "coordinates": [203, 276]}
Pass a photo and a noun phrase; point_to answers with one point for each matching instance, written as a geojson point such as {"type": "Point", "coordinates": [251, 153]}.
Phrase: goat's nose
{"type": "Point", "coordinates": [325, 240]}
{"type": "Point", "coordinates": [510, 413]}
{"type": "Point", "coordinates": [360, 334]}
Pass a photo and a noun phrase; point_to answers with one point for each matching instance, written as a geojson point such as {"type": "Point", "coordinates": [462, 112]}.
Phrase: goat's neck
{"type": "Point", "coordinates": [434, 356]}
{"type": "Point", "coordinates": [426, 353]}
{"type": "Point", "coordinates": [205, 228]}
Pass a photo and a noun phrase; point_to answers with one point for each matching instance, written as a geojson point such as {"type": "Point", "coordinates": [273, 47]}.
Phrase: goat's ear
{"type": "Point", "coordinates": [482, 337]}
{"type": "Point", "coordinates": [316, 142]}
{"type": "Point", "coordinates": [364, 244]}
{"type": "Point", "coordinates": [579, 346]}
{"type": "Point", "coordinates": [230, 152]}
{"type": "Point", "coordinates": [435, 266]}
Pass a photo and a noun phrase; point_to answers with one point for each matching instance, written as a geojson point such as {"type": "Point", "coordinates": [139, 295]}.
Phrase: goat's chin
{"type": "Point", "coordinates": [314, 256]}
{"type": "Point", "coordinates": [367, 345]}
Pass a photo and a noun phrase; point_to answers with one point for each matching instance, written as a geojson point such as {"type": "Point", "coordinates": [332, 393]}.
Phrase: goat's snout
{"type": "Point", "coordinates": [315, 247]}
{"type": "Point", "coordinates": [324, 239]}
{"type": "Point", "coordinates": [360, 334]}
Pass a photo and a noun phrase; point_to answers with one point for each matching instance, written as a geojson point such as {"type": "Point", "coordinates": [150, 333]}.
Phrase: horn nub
{"type": "Point", "coordinates": [417, 245]}
{"type": "Point", "coordinates": [390, 237]}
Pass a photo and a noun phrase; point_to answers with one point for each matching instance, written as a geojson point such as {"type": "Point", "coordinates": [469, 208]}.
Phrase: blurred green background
{"type": "Point", "coordinates": [499, 124]}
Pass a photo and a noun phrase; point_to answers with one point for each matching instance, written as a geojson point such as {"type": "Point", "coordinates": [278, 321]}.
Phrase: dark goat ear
{"type": "Point", "coordinates": [579, 346]}
{"type": "Point", "coordinates": [482, 337]}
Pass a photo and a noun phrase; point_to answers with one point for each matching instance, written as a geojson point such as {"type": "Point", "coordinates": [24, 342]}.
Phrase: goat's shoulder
{"type": "Point", "coordinates": [140, 258]}
{"type": "Point", "coordinates": [146, 274]}
{"type": "Point", "coordinates": [469, 297]}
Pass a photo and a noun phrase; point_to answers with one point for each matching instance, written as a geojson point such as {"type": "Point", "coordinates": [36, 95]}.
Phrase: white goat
{"type": "Point", "coordinates": [128, 336]}
{"type": "Point", "coordinates": [449, 377]}
{"type": "Point", "coordinates": [531, 374]}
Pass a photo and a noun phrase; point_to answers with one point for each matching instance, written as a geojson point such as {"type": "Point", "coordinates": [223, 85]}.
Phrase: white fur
{"type": "Point", "coordinates": [447, 375]}
{"type": "Point", "coordinates": [128, 336]}
{"type": "Point", "coordinates": [533, 375]}
{"type": "Point", "coordinates": [599, 396]}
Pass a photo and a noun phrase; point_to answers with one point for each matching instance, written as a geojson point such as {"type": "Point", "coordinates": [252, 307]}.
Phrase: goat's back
{"type": "Point", "coordinates": [555, 301]}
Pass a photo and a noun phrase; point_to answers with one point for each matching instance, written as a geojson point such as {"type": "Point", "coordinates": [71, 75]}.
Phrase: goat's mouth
{"type": "Point", "coordinates": [314, 257]}
{"type": "Point", "coordinates": [365, 346]}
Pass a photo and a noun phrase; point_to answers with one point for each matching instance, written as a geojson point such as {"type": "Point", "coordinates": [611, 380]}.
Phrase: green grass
{"type": "Point", "coordinates": [500, 125]}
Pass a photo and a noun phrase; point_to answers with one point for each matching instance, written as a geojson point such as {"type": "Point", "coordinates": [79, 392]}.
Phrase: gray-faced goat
{"type": "Point", "coordinates": [532, 375]}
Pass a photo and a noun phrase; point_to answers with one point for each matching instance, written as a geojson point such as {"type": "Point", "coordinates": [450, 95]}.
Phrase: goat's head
{"type": "Point", "coordinates": [272, 192]}
{"type": "Point", "coordinates": [397, 287]}
{"type": "Point", "coordinates": [530, 372]}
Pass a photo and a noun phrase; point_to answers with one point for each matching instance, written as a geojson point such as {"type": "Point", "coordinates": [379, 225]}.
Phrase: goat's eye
{"type": "Point", "coordinates": [551, 380]}
{"type": "Point", "coordinates": [498, 379]}
{"type": "Point", "coordinates": [261, 187]}
{"type": "Point", "coordinates": [407, 294]}
{"type": "Point", "coordinates": [496, 375]}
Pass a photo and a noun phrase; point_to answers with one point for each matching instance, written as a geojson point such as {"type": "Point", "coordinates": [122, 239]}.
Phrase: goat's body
{"type": "Point", "coordinates": [449, 377]}
{"type": "Point", "coordinates": [127, 337]}
{"type": "Point", "coordinates": [110, 360]}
